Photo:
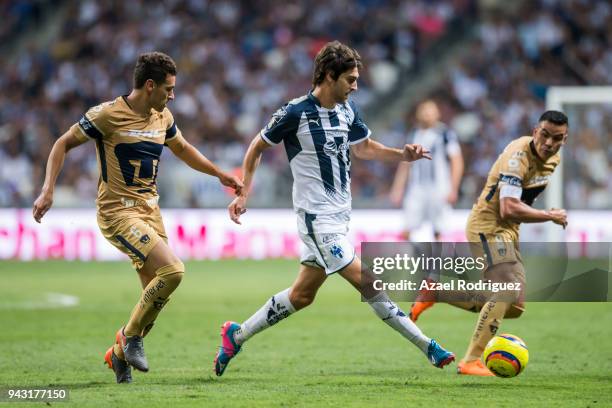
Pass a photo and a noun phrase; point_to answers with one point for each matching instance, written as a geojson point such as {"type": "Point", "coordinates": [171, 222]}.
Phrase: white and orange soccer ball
{"type": "Point", "coordinates": [506, 355]}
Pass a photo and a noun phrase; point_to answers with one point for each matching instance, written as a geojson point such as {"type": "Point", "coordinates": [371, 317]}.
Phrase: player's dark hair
{"type": "Point", "coordinates": [555, 117]}
{"type": "Point", "coordinates": [334, 58]}
{"type": "Point", "coordinates": [153, 65]}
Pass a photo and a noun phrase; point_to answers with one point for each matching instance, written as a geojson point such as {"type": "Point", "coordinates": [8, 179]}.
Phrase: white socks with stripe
{"type": "Point", "coordinates": [391, 314]}
{"type": "Point", "coordinates": [272, 312]}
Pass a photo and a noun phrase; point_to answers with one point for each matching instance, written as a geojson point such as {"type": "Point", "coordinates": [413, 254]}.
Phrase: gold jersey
{"type": "Point", "coordinates": [519, 166]}
{"type": "Point", "coordinates": [128, 147]}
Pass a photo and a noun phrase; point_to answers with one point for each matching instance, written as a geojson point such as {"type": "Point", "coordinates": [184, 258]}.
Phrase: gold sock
{"type": "Point", "coordinates": [153, 299]}
{"type": "Point", "coordinates": [488, 322]}
{"type": "Point", "coordinates": [118, 350]}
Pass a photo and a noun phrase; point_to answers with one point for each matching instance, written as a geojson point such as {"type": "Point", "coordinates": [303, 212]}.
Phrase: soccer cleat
{"type": "Point", "coordinates": [133, 350]}
{"type": "Point", "coordinates": [438, 356]}
{"type": "Point", "coordinates": [474, 367]}
{"type": "Point", "coordinates": [228, 348]}
{"type": "Point", "coordinates": [424, 300]}
{"type": "Point", "coordinates": [122, 369]}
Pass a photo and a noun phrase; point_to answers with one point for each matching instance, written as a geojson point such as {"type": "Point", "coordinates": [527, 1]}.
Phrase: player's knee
{"type": "Point", "coordinates": [514, 311]}
{"type": "Point", "coordinates": [172, 274]}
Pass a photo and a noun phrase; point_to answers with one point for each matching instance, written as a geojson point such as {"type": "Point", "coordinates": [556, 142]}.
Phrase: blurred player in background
{"type": "Point", "coordinates": [517, 177]}
{"type": "Point", "coordinates": [318, 130]}
{"type": "Point", "coordinates": [428, 190]}
{"type": "Point", "coordinates": [130, 133]}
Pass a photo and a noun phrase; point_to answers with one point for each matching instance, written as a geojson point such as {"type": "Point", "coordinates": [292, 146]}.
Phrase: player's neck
{"type": "Point", "coordinates": [138, 103]}
{"type": "Point", "coordinates": [324, 96]}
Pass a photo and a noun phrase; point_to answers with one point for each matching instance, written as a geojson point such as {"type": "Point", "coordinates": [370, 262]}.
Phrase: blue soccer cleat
{"type": "Point", "coordinates": [438, 356]}
{"type": "Point", "coordinates": [228, 349]}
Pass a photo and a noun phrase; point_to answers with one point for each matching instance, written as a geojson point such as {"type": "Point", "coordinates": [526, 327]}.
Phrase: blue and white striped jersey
{"type": "Point", "coordinates": [317, 143]}
{"type": "Point", "coordinates": [442, 142]}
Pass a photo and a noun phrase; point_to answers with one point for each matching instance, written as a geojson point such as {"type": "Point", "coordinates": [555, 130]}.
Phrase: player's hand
{"type": "Point", "coordinates": [42, 205]}
{"type": "Point", "coordinates": [237, 208]}
{"type": "Point", "coordinates": [231, 181]}
{"type": "Point", "coordinates": [414, 152]}
{"type": "Point", "coordinates": [452, 197]}
{"type": "Point", "coordinates": [558, 216]}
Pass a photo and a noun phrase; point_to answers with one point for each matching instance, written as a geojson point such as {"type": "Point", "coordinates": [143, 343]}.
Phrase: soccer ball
{"type": "Point", "coordinates": [506, 355]}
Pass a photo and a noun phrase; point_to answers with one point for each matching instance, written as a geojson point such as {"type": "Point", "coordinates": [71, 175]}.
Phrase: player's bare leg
{"type": "Point", "coordinates": [280, 306]}
{"type": "Point", "coordinates": [393, 316]}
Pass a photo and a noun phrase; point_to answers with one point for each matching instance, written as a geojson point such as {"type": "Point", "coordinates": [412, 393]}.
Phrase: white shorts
{"type": "Point", "coordinates": [325, 243]}
{"type": "Point", "coordinates": [425, 205]}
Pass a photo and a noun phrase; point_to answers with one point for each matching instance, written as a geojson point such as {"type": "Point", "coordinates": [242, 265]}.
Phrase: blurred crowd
{"type": "Point", "coordinates": [239, 61]}
{"type": "Point", "coordinates": [496, 92]}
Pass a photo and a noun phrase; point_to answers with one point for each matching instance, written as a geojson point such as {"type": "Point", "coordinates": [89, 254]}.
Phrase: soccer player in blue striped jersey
{"type": "Point", "coordinates": [319, 131]}
{"type": "Point", "coordinates": [428, 190]}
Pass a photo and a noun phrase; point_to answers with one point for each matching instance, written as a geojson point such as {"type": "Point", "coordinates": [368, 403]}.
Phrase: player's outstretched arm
{"type": "Point", "coordinates": [249, 165]}
{"type": "Point", "coordinates": [197, 161]}
{"type": "Point", "coordinates": [399, 183]}
{"type": "Point", "coordinates": [513, 209]}
{"type": "Point", "coordinates": [372, 150]}
{"type": "Point", "coordinates": [54, 165]}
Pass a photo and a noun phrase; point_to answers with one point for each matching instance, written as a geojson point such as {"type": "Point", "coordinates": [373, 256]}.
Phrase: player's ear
{"type": "Point", "coordinates": [329, 76]}
{"type": "Point", "coordinates": [149, 85]}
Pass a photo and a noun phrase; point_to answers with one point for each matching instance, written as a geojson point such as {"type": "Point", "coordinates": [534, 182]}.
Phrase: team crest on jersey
{"type": "Point", "coordinates": [336, 251]}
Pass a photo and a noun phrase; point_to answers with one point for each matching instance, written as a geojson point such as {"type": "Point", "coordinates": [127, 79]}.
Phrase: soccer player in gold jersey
{"type": "Point", "coordinates": [517, 177]}
{"type": "Point", "coordinates": [130, 133]}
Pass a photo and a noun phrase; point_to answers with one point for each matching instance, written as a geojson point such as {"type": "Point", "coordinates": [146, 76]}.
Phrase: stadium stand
{"type": "Point", "coordinates": [238, 61]}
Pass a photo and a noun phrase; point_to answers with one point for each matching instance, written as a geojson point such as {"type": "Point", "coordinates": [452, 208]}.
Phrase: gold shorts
{"type": "Point", "coordinates": [135, 236]}
{"type": "Point", "coordinates": [496, 248]}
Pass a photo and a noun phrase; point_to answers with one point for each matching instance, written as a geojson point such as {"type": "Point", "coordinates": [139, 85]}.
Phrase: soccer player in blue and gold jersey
{"type": "Point", "coordinates": [130, 133]}
{"type": "Point", "coordinates": [517, 177]}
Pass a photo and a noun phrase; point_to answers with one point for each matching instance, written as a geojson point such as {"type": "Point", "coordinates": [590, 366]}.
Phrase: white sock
{"type": "Point", "coordinates": [272, 312]}
{"type": "Point", "coordinates": [391, 314]}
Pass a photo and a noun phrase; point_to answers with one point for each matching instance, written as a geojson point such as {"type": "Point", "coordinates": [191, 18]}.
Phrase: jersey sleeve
{"type": "Point", "coordinates": [451, 142]}
{"type": "Point", "coordinates": [284, 123]}
{"type": "Point", "coordinates": [173, 136]}
{"type": "Point", "coordinates": [94, 124]}
{"type": "Point", "coordinates": [358, 130]}
{"type": "Point", "coordinates": [513, 169]}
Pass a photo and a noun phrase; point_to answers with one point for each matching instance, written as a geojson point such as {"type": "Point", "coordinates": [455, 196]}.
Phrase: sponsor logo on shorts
{"type": "Point", "coordinates": [145, 239]}
{"type": "Point", "coordinates": [327, 238]}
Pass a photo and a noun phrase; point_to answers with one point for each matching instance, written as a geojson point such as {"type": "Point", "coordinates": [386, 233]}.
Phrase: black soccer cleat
{"type": "Point", "coordinates": [122, 369]}
{"type": "Point", "coordinates": [133, 349]}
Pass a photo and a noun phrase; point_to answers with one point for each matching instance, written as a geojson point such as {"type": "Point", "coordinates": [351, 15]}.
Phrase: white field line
{"type": "Point", "coordinates": [49, 301]}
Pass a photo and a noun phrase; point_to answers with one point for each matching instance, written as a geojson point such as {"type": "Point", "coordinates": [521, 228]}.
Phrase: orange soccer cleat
{"type": "Point", "coordinates": [424, 300]}
{"type": "Point", "coordinates": [473, 367]}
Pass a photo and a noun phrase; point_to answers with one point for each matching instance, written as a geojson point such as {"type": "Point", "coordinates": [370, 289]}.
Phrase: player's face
{"type": "Point", "coordinates": [548, 138]}
{"type": "Point", "coordinates": [163, 93]}
{"type": "Point", "coordinates": [346, 83]}
{"type": "Point", "coordinates": [428, 114]}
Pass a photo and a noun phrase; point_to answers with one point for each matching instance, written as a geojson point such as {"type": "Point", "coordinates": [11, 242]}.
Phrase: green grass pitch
{"type": "Point", "coordinates": [335, 353]}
